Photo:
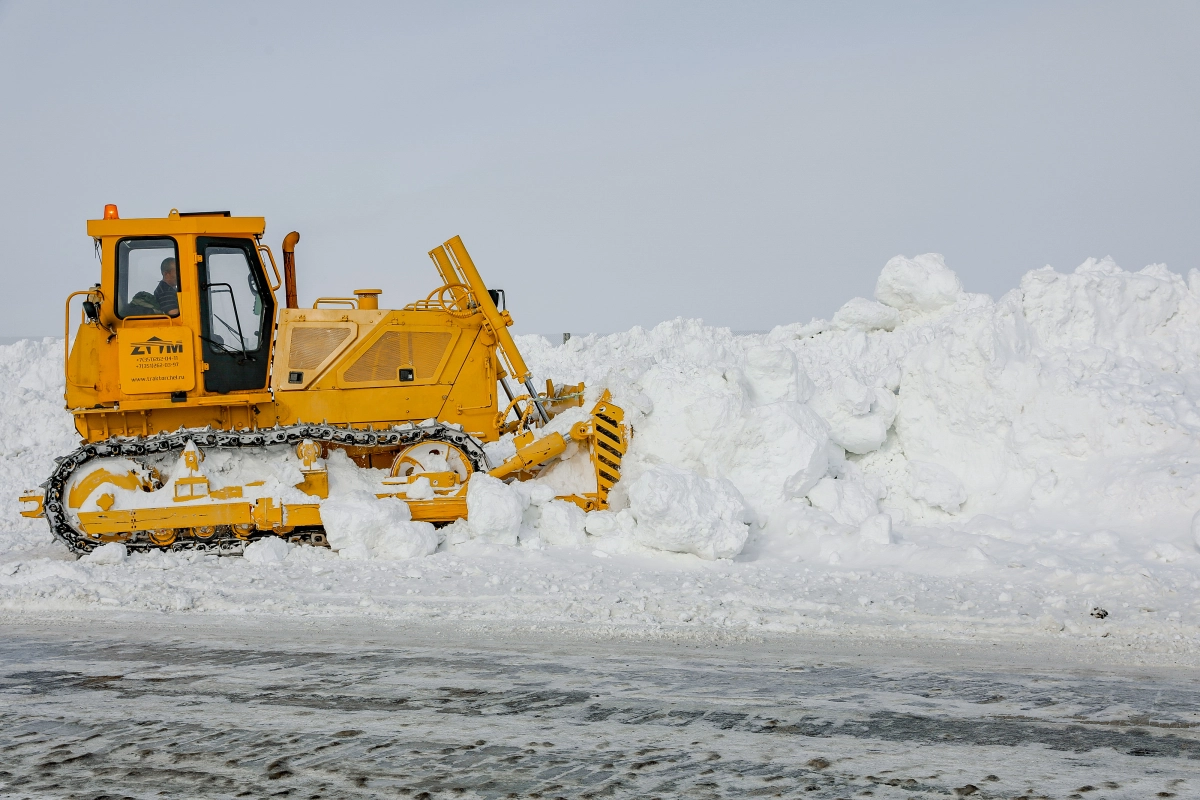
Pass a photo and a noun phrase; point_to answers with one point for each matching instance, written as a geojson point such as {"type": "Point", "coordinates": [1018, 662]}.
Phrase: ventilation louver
{"type": "Point", "coordinates": [416, 350]}
{"type": "Point", "coordinates": [311, 346]}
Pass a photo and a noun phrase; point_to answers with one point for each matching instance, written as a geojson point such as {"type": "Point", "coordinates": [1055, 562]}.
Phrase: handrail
{"type": "Point", "coordinates": [275, 269]}
{"type": "Point", "coordinates": [461, 304]}
{"type": "Point", "coordinates": [451, 275]}
{"type": "Point", "coordinates": [350, 301]}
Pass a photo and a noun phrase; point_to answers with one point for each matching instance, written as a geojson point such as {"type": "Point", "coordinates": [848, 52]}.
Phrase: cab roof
{"type": "Point", "coordinates": [212, 222]}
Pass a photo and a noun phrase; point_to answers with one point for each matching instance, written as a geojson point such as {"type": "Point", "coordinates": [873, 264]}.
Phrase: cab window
{"type": "Point", "coordinates": [235, 304]}
{"type": "Point", "coordinates": [147, 278]}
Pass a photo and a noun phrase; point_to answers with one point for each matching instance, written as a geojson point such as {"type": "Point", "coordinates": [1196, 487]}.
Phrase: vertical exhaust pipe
{"type": "Point", "coordinates": [289, 269]}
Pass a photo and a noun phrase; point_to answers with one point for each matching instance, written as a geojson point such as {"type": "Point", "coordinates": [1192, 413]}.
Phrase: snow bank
{"type": "Point", "coordinates": [1019, 460]}
{"type": "Point", "coordinates": [1049, 436]}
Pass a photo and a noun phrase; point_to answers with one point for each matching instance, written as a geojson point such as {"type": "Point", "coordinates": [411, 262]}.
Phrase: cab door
{"type": "Point", "coordinates": [237, 312]}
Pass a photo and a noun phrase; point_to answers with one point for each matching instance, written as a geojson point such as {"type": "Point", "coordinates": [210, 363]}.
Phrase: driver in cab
{"type": "Point", "coordinates": [166, 293]}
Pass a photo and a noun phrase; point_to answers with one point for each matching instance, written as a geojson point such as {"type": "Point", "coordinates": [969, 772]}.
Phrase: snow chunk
{"type": "Point", "coordinates": [774, 377]}
{"type": "Point", "coordinates": [407, 540]}
{"type": "Point", "coordinates": [1164, 551]}
{"type": "Point", "coordinates": [848, 502]}
{"type": "Point", "coordinates": [772, 454]}
{"type": "Point", "coordinates": [360, 526]}
{"type": "Point", "coordinates": [866, 315]}
{"type": "Point", "coordinates": [111, 553]}
{"type": "Point", "coordinates": [562, 524]}
{"type": "Point", "coordinates": [267, 550]}
{"type": "Point", "coordinates": [533, 493]}
{"type": "Point", "coordinates": [494, 509]}
{"type": "Point", "coordinates": [919, 284]}
{"type": "Point", "coordinates": [858, 416]}
{"type": "Point", "coordinates": [877, 529]}
{"type": "Point", "coordinates": [420, 489]}
{"type": "Point", "coordinates": [602, 523]}
{"type": "Point", "coordinates": [683, 512]}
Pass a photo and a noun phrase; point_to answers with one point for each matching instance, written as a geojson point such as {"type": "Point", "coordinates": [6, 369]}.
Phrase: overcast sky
{"type": "Point", "coordinates": [607, 164]}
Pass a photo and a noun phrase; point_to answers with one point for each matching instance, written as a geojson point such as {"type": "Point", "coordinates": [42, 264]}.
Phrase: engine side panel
{"type": "Point", "coordinates": [381, 368]}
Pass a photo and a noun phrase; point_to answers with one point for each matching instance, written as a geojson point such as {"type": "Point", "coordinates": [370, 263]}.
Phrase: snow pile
{"type": "Point", "coordinates": [1073, 396]}
{"type": "Point", "coordinates": [34, 429]}
{"type": "Point", "coordinates": [1027, 429]}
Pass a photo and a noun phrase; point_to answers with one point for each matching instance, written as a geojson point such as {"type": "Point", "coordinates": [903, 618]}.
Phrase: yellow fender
{"type": "Point", "coordinates": [94, 480]}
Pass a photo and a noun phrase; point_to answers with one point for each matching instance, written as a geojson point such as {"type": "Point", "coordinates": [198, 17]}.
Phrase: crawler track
{"type": "Point", "coordinates": [208, 439]}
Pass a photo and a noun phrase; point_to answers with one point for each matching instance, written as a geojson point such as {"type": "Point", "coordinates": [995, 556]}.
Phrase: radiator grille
{"type": "Point", "coordinates": [419, 351]}
{"type": "Point", "coordinates": [311, 346]}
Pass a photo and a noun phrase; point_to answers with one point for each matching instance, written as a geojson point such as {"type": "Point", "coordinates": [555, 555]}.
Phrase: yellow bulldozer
{"type": "Point", "coordinates": [209, 415]}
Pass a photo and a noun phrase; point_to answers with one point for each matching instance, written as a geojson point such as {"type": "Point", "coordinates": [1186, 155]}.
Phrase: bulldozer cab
{"type": "Point", "coordinates": [235, 308]}
{"type": "Point", "coordinates": [190, 302]}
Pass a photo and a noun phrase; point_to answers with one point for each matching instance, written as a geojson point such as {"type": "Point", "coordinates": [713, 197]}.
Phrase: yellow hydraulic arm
{"type": "Point", "coordinates": [455, 266]}
{"type": "Point", "coordinates": [605, 434]}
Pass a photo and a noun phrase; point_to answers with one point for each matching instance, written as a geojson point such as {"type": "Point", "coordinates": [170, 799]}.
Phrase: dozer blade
{"type": "Point", "coordinates": [608, 445]}
{"type": "Point", "coordinates": [607, 436]}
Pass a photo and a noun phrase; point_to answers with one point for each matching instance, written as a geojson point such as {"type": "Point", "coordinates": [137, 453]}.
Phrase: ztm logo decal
{"type": "Point", "coordinates": [147, 347]}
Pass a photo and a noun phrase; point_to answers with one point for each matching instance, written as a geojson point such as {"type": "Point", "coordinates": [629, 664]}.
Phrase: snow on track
{"type": "Point", "coordinates": [927, 463]}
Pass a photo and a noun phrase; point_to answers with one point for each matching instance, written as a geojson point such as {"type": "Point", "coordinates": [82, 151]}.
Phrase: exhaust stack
{"type": "Point", "coordinates": [289, 269]}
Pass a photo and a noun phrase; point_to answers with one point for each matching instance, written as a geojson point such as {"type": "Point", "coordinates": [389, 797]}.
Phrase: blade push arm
{"type": "Point", "coordinates": [455, 266]}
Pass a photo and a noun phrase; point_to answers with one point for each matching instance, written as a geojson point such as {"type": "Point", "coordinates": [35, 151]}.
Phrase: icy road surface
{"type": "Point", "coordinates": [253, 709]}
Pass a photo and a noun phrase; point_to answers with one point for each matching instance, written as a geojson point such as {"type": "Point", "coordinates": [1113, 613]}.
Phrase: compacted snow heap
{"type": "Point", "coordinates": [928, 430]}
